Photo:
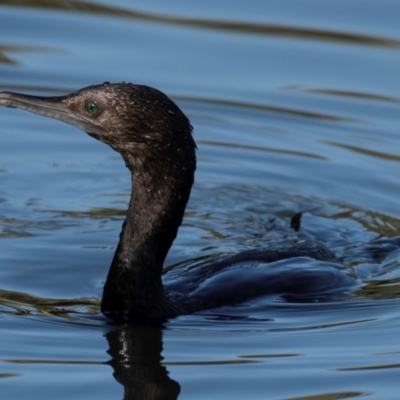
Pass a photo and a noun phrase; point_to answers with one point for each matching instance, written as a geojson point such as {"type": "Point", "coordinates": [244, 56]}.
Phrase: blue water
{"type": "Point", "coordinates": [295, 108]}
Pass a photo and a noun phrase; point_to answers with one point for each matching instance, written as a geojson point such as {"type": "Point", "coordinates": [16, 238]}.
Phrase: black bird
{"type": "Point", "coordinates": [155, 140]}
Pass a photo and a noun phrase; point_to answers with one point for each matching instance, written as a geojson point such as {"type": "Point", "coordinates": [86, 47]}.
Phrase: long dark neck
{"type": "Point", "coordinates": [133, 286]}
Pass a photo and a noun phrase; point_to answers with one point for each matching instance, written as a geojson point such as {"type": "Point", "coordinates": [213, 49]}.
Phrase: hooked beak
{"type": "Point", "coordinates": [52, 107]}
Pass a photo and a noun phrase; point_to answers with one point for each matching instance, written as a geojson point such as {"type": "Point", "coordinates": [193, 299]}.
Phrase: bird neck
{"type": "Point", "coordinates": [134, 286]}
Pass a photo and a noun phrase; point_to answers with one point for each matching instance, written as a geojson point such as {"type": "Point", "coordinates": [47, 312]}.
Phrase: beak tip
{"type": "Point", "coordinates": [5, 99]}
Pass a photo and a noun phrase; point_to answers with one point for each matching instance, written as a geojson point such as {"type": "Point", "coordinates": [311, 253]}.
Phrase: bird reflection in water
{"type": "Point", "coordinates": [136, 360]}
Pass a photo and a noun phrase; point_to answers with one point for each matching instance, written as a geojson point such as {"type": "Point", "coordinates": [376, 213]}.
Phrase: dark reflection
{"type": "Point", "coordinates": [332, 396]}
{"type": "Point", "coordinates": [13, 302]}
{"type": "Point", "coordinates": [136, 360]}
{"type": "Point", "coordinates": [31, 88]}
{"type": "Point", "coordinates": [268, 108]}
{"type": "Point", "coordinates": [4, 59]}
{"type": "Point", "coordinates": [59, 219]}
{"type": "Point", "coordinates": [19, 228]}
{"type": "Point", "coordinates": [355, 95]}
{"type": "Point", "coordinates": [367, 152]}
{"type": "Point", "coordinates": [260, 148]}
{"type": "Point", "coordinates": [94, 213]}
{"type": "Point", "coordinates": [5, 375]}
{"type": "Point", "coordinates": [219, 25]}
{"type": "Point", "coordinates": [8, 48]}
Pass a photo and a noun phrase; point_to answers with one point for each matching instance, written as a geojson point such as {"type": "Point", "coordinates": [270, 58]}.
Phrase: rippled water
{"type": "Point", "coordinates": [295, 107]}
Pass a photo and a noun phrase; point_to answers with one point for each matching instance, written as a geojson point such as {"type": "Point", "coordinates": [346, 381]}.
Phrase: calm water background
{"type": "Point", "coordinates": [295, 106]}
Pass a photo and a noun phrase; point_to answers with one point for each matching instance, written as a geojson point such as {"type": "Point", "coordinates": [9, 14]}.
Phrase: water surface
{"type": "Point", "coordinates": [295, 109]}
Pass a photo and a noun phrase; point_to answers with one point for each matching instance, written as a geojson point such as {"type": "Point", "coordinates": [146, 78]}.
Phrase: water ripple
{"type": "Point", "coordinates": [260, 29]}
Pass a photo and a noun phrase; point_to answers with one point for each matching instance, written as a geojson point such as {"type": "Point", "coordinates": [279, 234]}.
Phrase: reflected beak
{"type": "Point", "coordinates": [52, 107]}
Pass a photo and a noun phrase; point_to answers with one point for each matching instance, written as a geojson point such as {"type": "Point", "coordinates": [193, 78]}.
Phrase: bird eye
{"type": "Point", "coordinates": [92, 107]}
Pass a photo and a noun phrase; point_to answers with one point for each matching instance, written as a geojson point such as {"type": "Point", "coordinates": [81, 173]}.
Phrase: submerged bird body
{"type": "Point", "coordinates": [155, 140]}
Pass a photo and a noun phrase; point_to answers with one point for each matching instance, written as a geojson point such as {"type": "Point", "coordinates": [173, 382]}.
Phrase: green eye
{"type": "Point", "coordinates": [92, 107]}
